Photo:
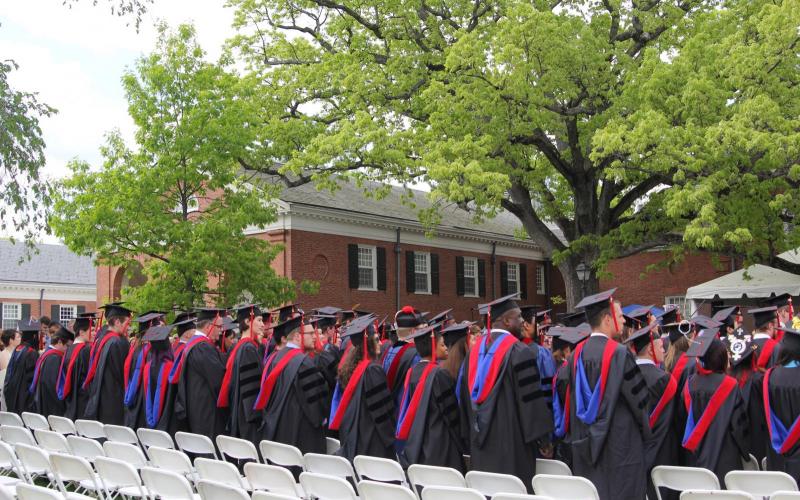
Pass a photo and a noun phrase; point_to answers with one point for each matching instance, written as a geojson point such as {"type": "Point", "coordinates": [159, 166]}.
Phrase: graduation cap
{"type": "Point", "coordinates": [763, 315]}
{"type": "Point", "coordinates": [29, 325]}
{"type": "Point", "coordinates": [146, 320]}
{"type": "Point", "coordinates": [726, 316]}
{"type": "Point", "coordinates": [116, 309]}
{"type": "Point", "coordinates": [286, 312]}
{"type": "Point", "coordinates": [791, 341]}
{"type": "Point", "coordinates": [328, 310]}
{"type": "Point", "coordinates": [210, 313]}
{"type": "Point", "coordinates": [572, 318]}
{"type": "Point", "coordinates": [677, 330]}
{"type": "Point", "coordinates": [705, 322]}
{"type": "Point", "coordinates": [529, 312]}
{"type": "Point", "coordinates": [443, 316]}
{"type": "Point", "coordinates": [740, 346]}
{"type": "Point", "coordinates": [63, 334]}
{"type": "Point", "coordinates": [408, 317]}
{"type": "Point", "coordinates": [497, 308]}
{"type": "Point", "coordinates": [246, 312]}
{"type": "Point", "coordinates": [638, 316]}
{"type": "Point", "coordinates": [185, 321]}
{"type": "Point", "coordinates": [454, 333]}
{"type": "Point", "coordinates": [545, 314]}
{"type": "Point", "coordinates": [427, 334]}
{"type": "Point", "coordinates": [157, 333]}
{"type": "Point", "coordinates": [779, 301]}
{"type": "Point", "coordinates": [360, 326]}
{"type": "Point", "coordinates": [670, 314]}
{"type": "Point", "coordinates": [229, 325]}
{"type": "Point", "coordinates": [642, 337]}
{"type": "Point", "coordinates": [283, 329]}
{"type": "Point", "coordinates": [569, 335]}
{"type": "Point", "coordinates": [324, 321]}
{"type": "Point", "coordinates": [593, 304]}
{"type": "Point", "coordinates": [84, 321]}
{"type": "Point", "coordinates": [701, 344]}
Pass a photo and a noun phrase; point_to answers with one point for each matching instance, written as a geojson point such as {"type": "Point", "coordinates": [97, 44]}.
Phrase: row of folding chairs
{"type": "Point", "coordinates": [698, 483]}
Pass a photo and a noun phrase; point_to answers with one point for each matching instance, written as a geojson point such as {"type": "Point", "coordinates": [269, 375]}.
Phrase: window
{"type": "Point", "coordinates": [12, 314]}
{"type": "Point", "coordinates": [367, 269]}
{"type": "Point", "coordinates": [512, 277]}
{"type": "Point", "coordinates": [684, 306]}
{"type": "Point", "coordinates": [422, 272]}
{"type": "Point", "coordinates": [470, 277]}
{"type": "Point", "coordinates": [540, 281]}
{"type": "Point", "coordinates": [67, 313]}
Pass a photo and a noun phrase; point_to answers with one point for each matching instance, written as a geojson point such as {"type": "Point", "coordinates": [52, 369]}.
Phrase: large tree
{"type": "Point", "coordinates": [176, 202]}
{"type": "Point", "coordinates": [579, 117]}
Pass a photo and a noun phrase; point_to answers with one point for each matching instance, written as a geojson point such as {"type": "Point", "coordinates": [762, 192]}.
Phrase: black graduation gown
{"type": "Point", "coordinates": [298, 407]}
{"type": "Point", "coordinates": [435, 435]}
{"type": "Point", "coordinates": [784, 399]}
{"type": "Point", "coordinates": [327, 362]}
{"type": "Point", "coordinates": [134, 413]}
{"type": "Point", "coordinates": [409, 358]}
{"type": "Point", "coordinates": [45, 397]}
{"type": "Point", "coordinates": [562, 450]}
{"type": "Point", "coordinates": [753, 399]}
{"type": "Point", "coordinates": [662, 447]}
{"type": "Point", "coordinates": [612, 448]}
{"type": "Point", "coordinates": [368, 423]}
{"type": "Point", "coordinates": [773, 358]}
{"type": "Point", "coordinates": [19, 376]}
{"type": "Point", "coordinates": [243, 421]}
{"type": "Point", "coordinates": [106, 392]}
{"type": "Point", "coordinates": [75, 402]}
{"type": "Point", "coordinates": [150, 390]}
{"type": "Point", "coordinates": [725, 444]}
{"type": "Point", "coordinates": [197, 390]}
{"type": "Point", "coordinates": [508, 427]}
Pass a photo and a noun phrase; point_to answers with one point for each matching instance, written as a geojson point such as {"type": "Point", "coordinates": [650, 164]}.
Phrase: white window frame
{"type": "Point", "coordinates": [374, 251]}
{"type": "Point", "coordinates": [6, 316]}
{"type": "Point", "coordinates": [61, 308]}
{"type": "Point", "coordinates": [474, 279]}
{"type": "Point", "coordinates": [427, 256]}
{"type": "Point", "coordinates": [540, 280]}
{"type": "Point", "coordinates": [686, 307]}
{"type": "Point", "coordinates": [515, 266]}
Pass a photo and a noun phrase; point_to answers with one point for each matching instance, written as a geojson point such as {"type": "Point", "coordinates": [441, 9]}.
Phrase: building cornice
{"type": "Point", "coordinates": [33, 291]}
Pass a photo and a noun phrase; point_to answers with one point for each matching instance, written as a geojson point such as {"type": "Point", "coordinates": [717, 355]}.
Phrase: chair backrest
{"type": "Point", "coordinates": [62, 425]}
{"type": "Point", "coordinates": [683, 478]}
{"type": "Point", "coordinates": [198, 444]}
{"type": "Point", "coordinates": [759, 483]}
{"type": "Point", "coordinates": [32, 492]}
{"type": "Point", "coordinates": [118, 474]}
{"type": "Point", "coordinates": [764, 465]}
{"type": "Point", "coordinates": [519, 496]}
{"type": "Point", "coordinates": [85, 447]}
{"type": "Point", "coordinates": [326, 487]}
{"type": "Point", "coordinates": [171, 460]}
{"type": "Point", "coordinates": [217, 470]}
{"type": "Point", "coordinates": [52, 441]}
{"type": "Point", "coordinates": [166, 485]}
{"type": "Point", "coordinates": [9, 460]}
{"type": "Point", "coordinates": [373, 490]}
{"type": "Point", "coordinates": [785, 495]}
{"type": "Point", "coordinates": [35, 421]}
{"type": "Point", "coordinates": [33, 459]}
{"type": "Point", "coordinates": [13, 434]}
{"type": "Point", "coordinates": [281, 454]}
{"type": "Point", "coordinates": [212, 490]}
{"type": "Point", "coordinates": [328, 464]}
{"type": "Point", "coordinates": [715, 495]}
{"type": "Point", "coordinates": [751, 463]}
{"type": "Point", "coordinates": [240, 449]}
{"type": "Point", "coordinates": [69, 468]}
{"type": "Point", "coordinates": [378, 469]}
{"type": "Point", "coordinates": [552, 467]}
{"type": "Point", "coordinates": [491, 483]}
{"type": "Point", "coordinates": [564, 487]}
{"type": "Point", "coordinates": [450, 493]}
{"type": "Point", "coordinates": [91, 429]}
{"type": "Point", "coordinates": [421, 476]}
{"type": "Point", "coordinates": [153, 437]}
{"type": "Point", "coordinates": [8, 418]}
{"type": "Point", "coordinates": [332, 445]}
{"type": "Point", "coordinates": [120, 434]}
{"type": "Point", "coordinates": [128, 453]}
{"type": "Point", "coordinates": [272, 478]}
{"type": "Point", "coordinates": [268, 495]}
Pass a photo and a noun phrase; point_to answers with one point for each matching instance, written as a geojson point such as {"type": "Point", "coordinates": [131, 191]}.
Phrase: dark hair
{"type": "Point", "coordinates": [716, 358]}
{"type": "Point", "coordinates": [785, 355]}
{"type": "Point", "coordinates": [45, 320]}
{"type": "Point", "coordinates": [674, 352]}
{"type": "Point", "coordinates": [595, 316]}
{"type": "Point", "coordinates": [200, 324]}
{"type": "Point", "coordinates": [354, 356]}
{"type": "Point", "coordinates": [113, 320]}
{"type": "Point", "coordinates": [7, 336]}
{"type": "Point", "coordinates": [456, 355]}
{"type": "Point", "coordinates": [423, 345]}
{"type": "Point", "coordinates": [244, 324]}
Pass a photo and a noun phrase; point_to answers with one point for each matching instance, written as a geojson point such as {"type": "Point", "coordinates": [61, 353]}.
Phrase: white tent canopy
{"type": "Point", "coordinates": [763, 282]}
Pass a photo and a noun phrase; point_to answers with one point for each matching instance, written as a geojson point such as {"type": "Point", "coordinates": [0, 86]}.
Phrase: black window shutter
{"type": "Point", "coordinates": [410, 284]}
{"type": "Point", "coordinates": [352, 265]}
{"type": "Point", "coordinates": [25, 313]}
{"type": "Point", "coordinates": [503, 279]}
{"type": "Point", "coordinates": [55, 313]}
{"type": "Point", "coordinates": [482, 277]}
{"type": "Point", "coordinates": [435, 273]}
{"type": "Point", "coordinates": [460, 276]}
{"type": "Point", "coordinates": [81, 309]}
{"type": "Point", "coordinates": [523, 281]}
{"type": "Point", "coordinates": [381, 268]}
{"type": "Point", "coordinates": [1, 313]}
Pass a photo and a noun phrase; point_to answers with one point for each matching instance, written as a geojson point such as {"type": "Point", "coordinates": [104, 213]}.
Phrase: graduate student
{"type": "Point", "coordinates": [21, 366]}
{"type": "Point", "coordinates": [75, 366]}
{"type": "Point", "coordinates": [362, 409]}
{"type": "Point", "coordinates": [428, 426]}
{"type": "Point", "coordinates": [158, 408]}
{"type": "Point", "coordinates": [502, 400]}
{"type": "Point", "coordinates": [564, 340]}
{"type": "Point", "coordinates": [608, 420]}
{"type": "Point", "coordinates": [105, 380]}
{"type": "Point", "coordinates": [45, 375]}
{"type": "Point", "coordinates": [134, 368]}
{"type": "Point", "coordinates": [327, 360]}
{"type": "Point", "coordinates": [241, 381]}
{"type": "Point", "coordinates": [781, 396]}
{"type": "Point", "coordinates": [544, 358]}
{"type": "Point", "coordinates": [742, 367]}
{"type": "Point", "coordinates": [402, 356]}
{"type": "Point", "coordinates": [765, 326]}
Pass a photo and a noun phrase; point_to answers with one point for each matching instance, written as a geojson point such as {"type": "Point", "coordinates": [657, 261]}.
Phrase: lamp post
{"type": "Point", "coordinates": [583, 272]}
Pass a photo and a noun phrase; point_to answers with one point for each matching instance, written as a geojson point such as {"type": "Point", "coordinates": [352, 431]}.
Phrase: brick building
{"type": "Point", "coordinates": [54, 282]}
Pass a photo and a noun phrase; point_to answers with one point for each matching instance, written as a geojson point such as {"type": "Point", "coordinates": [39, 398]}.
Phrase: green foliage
{"type": "Point", "coordinates": [143, 203]}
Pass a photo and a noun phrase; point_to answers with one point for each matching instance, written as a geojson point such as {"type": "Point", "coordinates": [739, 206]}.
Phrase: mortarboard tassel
{"type": "Point", "coordinates": [613, 314]}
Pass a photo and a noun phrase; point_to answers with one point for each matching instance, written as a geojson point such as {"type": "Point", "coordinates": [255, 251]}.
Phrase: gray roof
{"type": "Point", "coordinates": [54, 264]}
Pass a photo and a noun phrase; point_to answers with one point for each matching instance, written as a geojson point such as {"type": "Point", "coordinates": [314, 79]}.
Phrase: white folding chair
{"type": "Point", "coordinates": [325, 487]}
{"type": "Point", "coordinates": [10, 464]}
{"type": "Point", "coordinates": [77, 471]}
{"type": "Point", "coordinates": [268, 495]}
{"type": "Point", "coordinates": [764, 464]}
{"type": "Point", "coordinates": [272, 478]}
{"type": "Point", "coordinates": [564, 487]}
{"type": "Point", "coordinates": [715, 495]}
{"type": "Point", "coordinates": [128, 453]}
{"type": "Point", "coordinates": [238, 449]}
{"type": "Point", "coordinates": [91, 429]}
{"type": "Point", "coordinates": [167, 485]}
{"type": "Point", "coordinates": [281, 454]}
{"type": "Point", "coordinates": [212, 490]}
{"type": "Point", "coordinates": [683, 478]}
{"type": "Point", "coordinates": [450, 493]}
{"type": "Point", "coordinates": [491, 483]}
{"type": "Point", "coordinates": [379, 469]}
{"type": "Point", "coordinates": [552, 467]}
{"type": "Point", "coordinates": [85, 447]}
{"type": "Point", "coordinates": [8, 492]}
{"type": "Point", "coordinates": [120, 434]}
{"type": "Point", "coordinates": [785, 495]}
{"type": "Point", "coordinates": [373, 490]}
{"type": "Point", "coordinates": [519, 496]}
{"type": "Point", "coordinates": [52, 441]}
{"type": "Point", "coordinates": [119, 478]}
{"type": "Point", "coordinates": [332, 445]}
{"type": "Point", "coordinates": [35, 462]}
{"type": "Point", "coordinates": [32, 492]}
{"type": "Point", "coordinates": [13, 434]}
{"type": "Point", "coordinates": [421, 476]}
{"type": "Point", "coordinates": [62, 425]}
{"type": "Point", "coordinates": [8, 418]}
{"type": "Point", "coordinates": [221, 472]}
{"type": "Point", "coordinates": [751, 463]}
{"type": "Point", "coordinates": [35, 421]}
{"type": "Point", "coordinates": [329, 464]}
{"type": "Point", "coordinates": [153, 437]}
{"type": "Point", "coordinates": [174, 461]}
{"type": "Point", "coordinates": [198, 444]}
{"type": "Point", "coordinates": [759, 483]}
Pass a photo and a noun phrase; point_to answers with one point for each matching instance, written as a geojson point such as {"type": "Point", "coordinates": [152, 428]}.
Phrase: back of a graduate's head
{"type": "Point", "coordinates": [423, 345]}
{"type": "Point", "coordinates": [596, 315]}
{"type": "Point", "coordinates": [7, 336]}
{"type": "Point", "coordinates": [716, 357]}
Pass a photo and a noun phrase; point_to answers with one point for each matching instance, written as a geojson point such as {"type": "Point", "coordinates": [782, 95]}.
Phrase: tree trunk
{"type": "Point", "coordinates": [575, 289]}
